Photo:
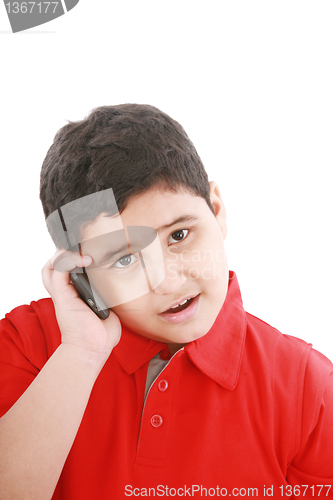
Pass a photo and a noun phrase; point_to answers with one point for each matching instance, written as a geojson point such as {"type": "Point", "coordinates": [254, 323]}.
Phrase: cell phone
{"type": "Point", "coordinates": [80, 280]}
{"type": "Point", "coordinates": [89, 297]}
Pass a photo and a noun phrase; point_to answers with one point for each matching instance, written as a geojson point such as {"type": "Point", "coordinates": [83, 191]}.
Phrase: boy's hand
{"type": "Point", "coordinates": [79, 325]}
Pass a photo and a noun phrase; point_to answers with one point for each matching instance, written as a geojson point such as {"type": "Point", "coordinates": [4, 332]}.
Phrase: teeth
{"type": "Point", "coordinates": [181, 304]}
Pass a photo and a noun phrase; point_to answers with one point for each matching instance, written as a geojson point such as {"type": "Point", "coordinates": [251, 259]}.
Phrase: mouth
{"type": "Point", "coordinates": [183, 311]}
{"type": "Point", "coordinates": [179, 306]}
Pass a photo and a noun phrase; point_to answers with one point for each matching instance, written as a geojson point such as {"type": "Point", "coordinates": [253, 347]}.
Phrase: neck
{"type": "Point", "coordinates": [173, 348]}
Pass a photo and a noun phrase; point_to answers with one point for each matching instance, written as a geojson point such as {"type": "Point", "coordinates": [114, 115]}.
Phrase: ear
{"type": "Point", "coordinates": [219, 209]}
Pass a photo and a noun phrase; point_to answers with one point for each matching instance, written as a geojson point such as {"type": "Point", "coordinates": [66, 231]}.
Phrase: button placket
{"type": "Point", "coordinates": [156, 416]}
{"type": "Point", "coordinates": [157, 420]}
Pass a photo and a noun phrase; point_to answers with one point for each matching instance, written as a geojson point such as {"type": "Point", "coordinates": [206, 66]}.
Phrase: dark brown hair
{"type": "Point", "coordinates": [129, 148]}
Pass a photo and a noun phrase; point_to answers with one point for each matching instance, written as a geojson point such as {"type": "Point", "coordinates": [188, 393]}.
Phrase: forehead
{"type": "Point", "coordinates": [155, 208]}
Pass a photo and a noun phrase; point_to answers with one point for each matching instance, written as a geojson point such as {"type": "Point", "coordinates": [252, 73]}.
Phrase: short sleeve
{"type": "Point", "coordinates": [28, 336]}
{"type": "Point", "coordinates": [16, 371]}
{"type": "Point", "coordinates": [313, 464]}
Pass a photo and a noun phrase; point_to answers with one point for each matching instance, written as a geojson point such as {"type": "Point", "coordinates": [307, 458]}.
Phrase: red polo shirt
{"type": "Point", "coordinates": [242, 411]}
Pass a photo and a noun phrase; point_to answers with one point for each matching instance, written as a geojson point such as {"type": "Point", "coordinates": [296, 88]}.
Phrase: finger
{"type": "Point", "coordinates": [47, 272]}
{"type": "Point", "coordinates": [113, 326]}
{"type": "Point", "coordinates": [65, 261]}
{"type": "Point", "coordinates": [62, 287]}
{"type": "Point", "coordinates": [47, 277]}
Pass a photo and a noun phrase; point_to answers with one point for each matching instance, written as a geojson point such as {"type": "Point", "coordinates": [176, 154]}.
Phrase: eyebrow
{"type": "Point", "coordinates": [183, 218]}
{"type": "Point", "coordinates": [109, 255]}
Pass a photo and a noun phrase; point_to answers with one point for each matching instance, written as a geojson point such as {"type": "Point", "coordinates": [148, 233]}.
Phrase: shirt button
{"type": "Point", "coordinates": [165, 354]}
{"type": "Point", "coordinates": [156, 421]}
{"type": "Point", "coordinates": [163, 385]}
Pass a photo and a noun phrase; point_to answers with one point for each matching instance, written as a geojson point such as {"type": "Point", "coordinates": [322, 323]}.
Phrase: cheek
{"type": "Point", "coordinates": [133, 311]}
{"type": "Point", "coordinates": [117, 288]}
{"type": "Point", "coordinates": [205, 263]}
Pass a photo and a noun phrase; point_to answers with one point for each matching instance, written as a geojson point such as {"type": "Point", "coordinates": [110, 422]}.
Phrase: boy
{"type": "Point", "coordinates": [179, 392]}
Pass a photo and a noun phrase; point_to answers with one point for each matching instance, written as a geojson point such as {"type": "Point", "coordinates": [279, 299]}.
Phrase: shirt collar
{"type": "Point", "coordinates": [217, 354]}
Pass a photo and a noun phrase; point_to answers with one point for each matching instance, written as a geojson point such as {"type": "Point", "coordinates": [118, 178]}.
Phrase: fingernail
{"type": "Point", "coordinates": [86, 260]}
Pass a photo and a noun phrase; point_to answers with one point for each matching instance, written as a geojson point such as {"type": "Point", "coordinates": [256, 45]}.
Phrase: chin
{"type": "Point", "coordinates": [195, 334]}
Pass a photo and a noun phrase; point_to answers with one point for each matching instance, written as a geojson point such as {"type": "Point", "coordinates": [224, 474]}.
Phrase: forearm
{"type": "Point", "coordinates": [37, 433]}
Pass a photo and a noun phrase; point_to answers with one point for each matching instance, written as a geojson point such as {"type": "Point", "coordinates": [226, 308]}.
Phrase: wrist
{"type": "Point", "coordinates": [90, 361]}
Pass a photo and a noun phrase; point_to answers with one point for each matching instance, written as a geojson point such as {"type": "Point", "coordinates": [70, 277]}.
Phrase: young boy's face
{"type": "Point", "coordinates": [194, 259]}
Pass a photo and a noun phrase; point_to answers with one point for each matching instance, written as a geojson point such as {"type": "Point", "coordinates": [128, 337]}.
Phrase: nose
{"type": "Point", "coordinates": [174, 278]}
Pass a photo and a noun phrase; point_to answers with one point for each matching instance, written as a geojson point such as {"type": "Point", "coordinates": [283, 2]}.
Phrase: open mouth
{"type": "Point", "coordinates": [180, 307]}
{"type": "Point", "coordinates": [182, 312]}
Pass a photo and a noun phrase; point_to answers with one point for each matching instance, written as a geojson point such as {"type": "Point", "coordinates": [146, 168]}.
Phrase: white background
{"type": "Point", "coordinates": [250, 81]}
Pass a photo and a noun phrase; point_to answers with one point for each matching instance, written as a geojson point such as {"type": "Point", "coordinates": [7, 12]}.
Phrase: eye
{"type": "Point", "coordinates": [125, 261]}
{"type": "Point", "coordinates": [179, 235]}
